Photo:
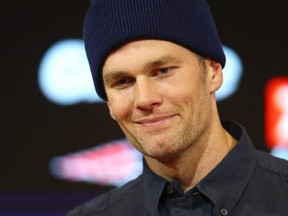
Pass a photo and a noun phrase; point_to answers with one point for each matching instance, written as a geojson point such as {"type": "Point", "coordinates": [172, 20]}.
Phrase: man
{"type": "Point", "coordinates": [158, 64]}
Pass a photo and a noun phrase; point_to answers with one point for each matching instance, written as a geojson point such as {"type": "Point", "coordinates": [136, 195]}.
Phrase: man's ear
{"type": "Point", "coordinates": [111, 111]}
{"type": "Point", "coordinates": [215, 75]}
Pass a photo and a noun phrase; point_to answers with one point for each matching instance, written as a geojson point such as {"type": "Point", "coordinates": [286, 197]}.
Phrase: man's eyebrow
{"type": "Point", "coordinates": [112, 75]}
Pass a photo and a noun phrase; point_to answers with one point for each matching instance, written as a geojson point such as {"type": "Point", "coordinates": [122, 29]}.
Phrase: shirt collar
{"type": "Point", "coordinates": [153, 186]}
{"type": "Point", "coordinates": [223, 185]}
{"type": "Point", "coordinates": [228, 180]}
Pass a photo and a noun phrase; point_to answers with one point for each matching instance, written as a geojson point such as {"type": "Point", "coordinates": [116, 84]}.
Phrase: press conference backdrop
{"type": "Point", "coordinates": [59, 146]}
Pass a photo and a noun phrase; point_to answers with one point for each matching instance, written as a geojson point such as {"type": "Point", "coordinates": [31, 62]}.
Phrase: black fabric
{"type": "Point", "coordinates": [175, 202]}
{"type": "Point", "coordinates": [246, 182]}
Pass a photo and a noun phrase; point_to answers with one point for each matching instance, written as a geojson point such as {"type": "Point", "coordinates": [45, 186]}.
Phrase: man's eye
{"type": "Point", "coordinates": [121, 83]}
{"type": "Point", "coordinates": [164, 70]}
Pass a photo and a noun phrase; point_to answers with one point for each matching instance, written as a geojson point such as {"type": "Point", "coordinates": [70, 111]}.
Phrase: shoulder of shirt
{"type": "Point", "coordinates": [272, 164]}
{"type": "Point", "coordinates": [102, 202]}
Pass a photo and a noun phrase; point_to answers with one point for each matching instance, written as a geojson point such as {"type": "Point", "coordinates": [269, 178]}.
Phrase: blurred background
{"type": "Point", "coordinates": [59, 146]}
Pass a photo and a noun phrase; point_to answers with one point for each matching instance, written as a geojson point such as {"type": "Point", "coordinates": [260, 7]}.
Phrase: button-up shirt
{"type": "Point", "coordinates": [246, 182]}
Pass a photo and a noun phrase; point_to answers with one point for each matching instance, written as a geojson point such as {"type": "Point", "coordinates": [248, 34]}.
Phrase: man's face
{"type": "Point", "coordinates": [160, 95]}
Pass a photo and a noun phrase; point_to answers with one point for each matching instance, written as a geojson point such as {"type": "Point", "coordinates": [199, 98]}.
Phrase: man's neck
{"type": "Point", "coordinates": [197, 162]}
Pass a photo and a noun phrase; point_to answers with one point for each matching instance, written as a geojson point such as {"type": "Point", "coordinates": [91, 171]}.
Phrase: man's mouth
{"type": "Point", "coordinates": [156, 120]}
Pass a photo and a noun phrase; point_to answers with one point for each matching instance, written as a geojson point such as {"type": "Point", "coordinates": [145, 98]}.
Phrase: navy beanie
{"type": "Point", "coordinates": [110, 24]}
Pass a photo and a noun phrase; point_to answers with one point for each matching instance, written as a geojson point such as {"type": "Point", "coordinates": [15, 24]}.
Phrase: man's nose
{"type": "Point", "coordinates": [147, 94]}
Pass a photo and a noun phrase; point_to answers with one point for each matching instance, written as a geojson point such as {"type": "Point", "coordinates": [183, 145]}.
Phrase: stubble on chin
{"type": "Point", "coordinates": [161, 148]}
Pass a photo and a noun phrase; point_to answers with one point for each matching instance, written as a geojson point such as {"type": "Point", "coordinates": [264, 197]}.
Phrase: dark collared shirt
{"type": "Point", "coordinates": [246, 182]}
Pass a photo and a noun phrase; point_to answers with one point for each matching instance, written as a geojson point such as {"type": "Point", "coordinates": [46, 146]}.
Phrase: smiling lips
{"type": "Point", "coordinates": [153, 121]}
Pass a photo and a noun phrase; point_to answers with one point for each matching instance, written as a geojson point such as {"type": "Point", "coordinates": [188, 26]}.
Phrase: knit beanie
{"type": "Point", "coordinates": [109, 24]}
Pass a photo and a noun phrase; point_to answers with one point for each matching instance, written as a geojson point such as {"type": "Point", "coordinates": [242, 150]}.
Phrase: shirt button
{"type": "Point", "coordinates": [224, 211]}
{"type": "Point", "coordinates": [170, 189]}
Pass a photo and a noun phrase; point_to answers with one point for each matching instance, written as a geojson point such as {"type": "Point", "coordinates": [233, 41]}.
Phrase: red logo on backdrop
{"type": "Point", "coordinates": [112, 163]}
{"type": "Point", "coordinates": [276, 113]}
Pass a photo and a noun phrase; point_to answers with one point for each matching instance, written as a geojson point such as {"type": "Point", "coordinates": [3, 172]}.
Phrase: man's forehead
{"type": "Point", "coordinates": [111, 70]}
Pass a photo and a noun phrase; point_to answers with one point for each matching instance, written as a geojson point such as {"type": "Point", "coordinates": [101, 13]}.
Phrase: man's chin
{"type": "Point", "coordinates": [163, 156]}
